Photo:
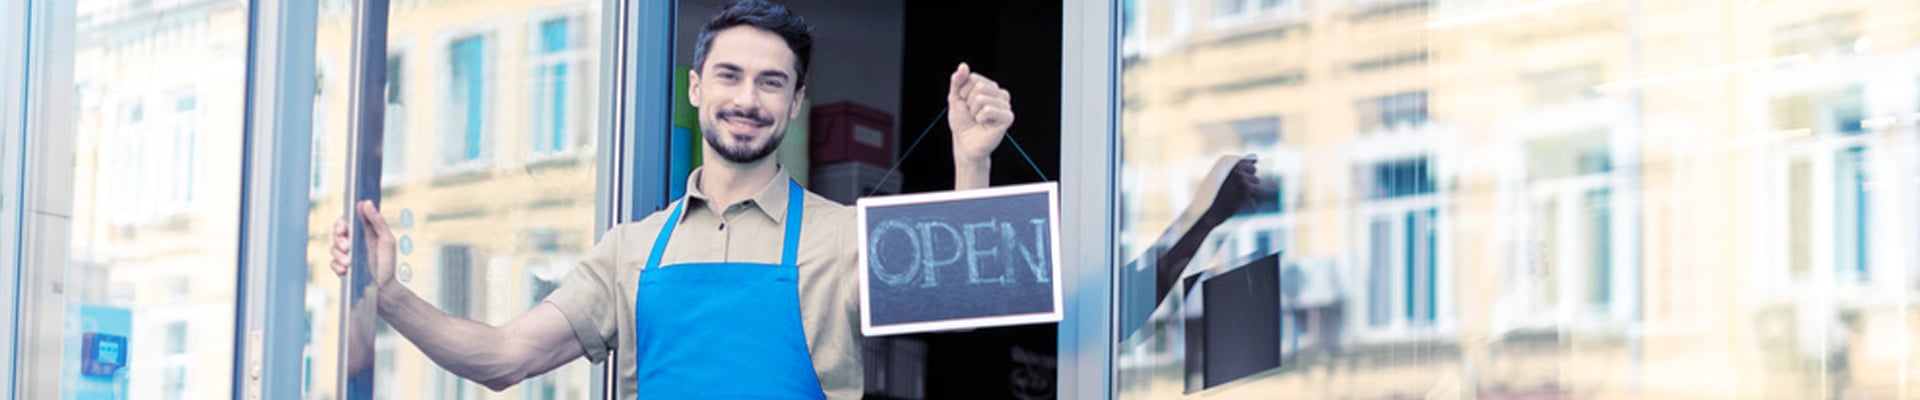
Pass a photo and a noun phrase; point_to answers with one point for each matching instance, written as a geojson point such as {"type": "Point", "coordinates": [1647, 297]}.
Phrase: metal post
{"type": "Point", "coordinates": [47, 171]}
{"type": "Point", "coordinates": [1087, 163]}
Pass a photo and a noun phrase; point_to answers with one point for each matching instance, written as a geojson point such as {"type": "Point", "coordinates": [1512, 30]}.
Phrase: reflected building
{"type": "Point", "coordinates": [158, 109]}
{"type": "Point", "coordinates": [488, 173]}
{"type": "Point", "coordinates": [1524, 199]}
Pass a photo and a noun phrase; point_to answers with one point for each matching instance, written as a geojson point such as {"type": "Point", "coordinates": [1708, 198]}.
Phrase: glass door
{"type": "Point", "coordinates": [487, 173]}
{"type": "Point", "coordinates": [148, 294]}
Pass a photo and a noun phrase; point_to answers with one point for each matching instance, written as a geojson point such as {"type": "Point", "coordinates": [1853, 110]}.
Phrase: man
{"type": "Point", "coordinates": [746, 287]}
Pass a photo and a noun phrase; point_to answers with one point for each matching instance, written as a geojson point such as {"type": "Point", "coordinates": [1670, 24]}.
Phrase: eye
{"type": "Point", "coordinates": [728, 76]}
{"type": "Point", "coordinates": [773, 83]}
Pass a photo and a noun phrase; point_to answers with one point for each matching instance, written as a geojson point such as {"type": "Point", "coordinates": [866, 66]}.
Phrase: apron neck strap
{"type": "Point", "coordinates": [790, 248]}
{"type": "Point", "coordinates": [790, 253]}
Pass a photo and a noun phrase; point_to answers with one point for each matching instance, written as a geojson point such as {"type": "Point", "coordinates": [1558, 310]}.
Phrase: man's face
{"type": "Point", "coordinates": [746, 93]}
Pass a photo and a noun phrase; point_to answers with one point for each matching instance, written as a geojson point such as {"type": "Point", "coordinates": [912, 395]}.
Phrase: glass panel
{"type": "Point", "coordinates": [159, 89]}
{"type": "Point", "coordinates": [1522, 199]}
{"type": "Point", "coordinates": [489, 166]}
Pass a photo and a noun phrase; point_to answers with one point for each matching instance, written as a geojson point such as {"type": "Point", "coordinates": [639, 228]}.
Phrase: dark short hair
{"type": "Point", "coordinates": [765, 16]}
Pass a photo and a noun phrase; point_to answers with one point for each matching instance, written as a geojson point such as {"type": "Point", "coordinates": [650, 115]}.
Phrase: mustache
{"type": "Point", "coordinates": [751, 115]}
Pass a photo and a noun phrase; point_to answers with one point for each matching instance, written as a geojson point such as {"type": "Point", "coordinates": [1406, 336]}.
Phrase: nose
{"type": "Point", "coordinates": [742, 97]}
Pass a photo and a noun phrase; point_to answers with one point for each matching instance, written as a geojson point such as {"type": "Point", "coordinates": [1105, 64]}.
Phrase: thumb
{"type": "Point", "coordinates": [957, 81]}
{"type": "Point", "coordinates": [371, 215]}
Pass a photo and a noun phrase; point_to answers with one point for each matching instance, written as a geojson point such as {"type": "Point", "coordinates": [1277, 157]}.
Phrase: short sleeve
{"type": "Point", "coordinates": [587, 295]}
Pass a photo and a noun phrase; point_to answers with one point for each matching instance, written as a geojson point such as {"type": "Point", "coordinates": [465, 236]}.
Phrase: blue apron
{"type": "Point", "coordinates": [723, 330]}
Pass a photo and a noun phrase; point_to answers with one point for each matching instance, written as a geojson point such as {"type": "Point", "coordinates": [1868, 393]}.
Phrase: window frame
{"type": "Point", "coordinates": [1572, 225]}
{"type": "Point", "coordinates": [1822, 156]}
{"type": "Point", "coordinates": [13, 95]}
{"type": "Point", "coordinates": [1853, 83]}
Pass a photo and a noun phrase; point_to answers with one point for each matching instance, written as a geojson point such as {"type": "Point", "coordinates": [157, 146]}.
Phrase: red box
{"type": "Point", "coordinates": [850, 132]}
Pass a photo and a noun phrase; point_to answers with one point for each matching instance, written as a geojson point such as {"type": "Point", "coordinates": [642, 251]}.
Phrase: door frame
{"type": "Point", "coordinates": [13, 60]}
{"type": "Point", "coordinates": [271, 327]}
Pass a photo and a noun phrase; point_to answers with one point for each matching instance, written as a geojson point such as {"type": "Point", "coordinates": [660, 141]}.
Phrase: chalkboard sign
{"type": "Point", "coordinates": [1240, 322]}
{"type": "Point", "coordinates": [959, 260]}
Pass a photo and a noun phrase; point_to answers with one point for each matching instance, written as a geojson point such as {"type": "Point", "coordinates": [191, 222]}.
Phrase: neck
{"type": "Point", "coordinates": [726, 182]}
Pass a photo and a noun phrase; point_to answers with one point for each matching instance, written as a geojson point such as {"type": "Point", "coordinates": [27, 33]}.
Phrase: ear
{"type": "Point", "coordinates": [799, 99]}
{"type": "Point", "coordinates": [693, 87]}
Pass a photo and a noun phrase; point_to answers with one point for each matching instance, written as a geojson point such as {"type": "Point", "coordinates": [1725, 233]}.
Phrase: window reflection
{"type": "Point", "coordinates": [1525, 199]}
{"type": "Point", "coordinates": [488, 167]}
{"type": "Point", "coordinates": [158, 111]}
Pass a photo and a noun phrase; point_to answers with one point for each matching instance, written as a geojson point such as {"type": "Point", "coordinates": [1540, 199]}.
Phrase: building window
{"type": "Point", "coordinates": [1564, 85]}
{"type": "Point", "coordinates": [1833, 34]}
{"type": "Point", "coordinates": [185, 141]}
{"type": "Point", "coordinates": [1800, 218]}
{"type": "Point", "coordinates": [157, 162]}
{"type": "Point", "coordinates": [1225, 9]}
{"type": "Point", "coordinates": [1567, 261]}
{"type": "Point", "coordinates": [1833, 111]}
{"type": "Point", "coordinates": [316, 184]}
{"type": "Point", "coordinates": [1851, 219]}
{"type": "Point", "coordinates": [1235, 12]}
{"type": "Point", "coordinates": [457, 288]}
{"type": "Point", "coordinates": [1251, 134]}
{"type": "Point", "coordinates": [557, 86]}
{"type": "Point", "coordinates": [464, 141]}
{"type": "Point", "coordinates": [393, 152]}
{"type": "Point", "coordinates": [1395, 111]}
{"type": "Point", "coordinates": [1402, 285]}
{"type": "Point", "coordinates": [1130, 20]}
{"type": "Point", "coordinates": [1600, 247]}
{"type": "Point", "coordinates": [1402, 244]}
{"type": "Point", "coordinates": [176, 373]}
{"type": "Point", "coordinates": [460, 296]}
{"type": "Point", "coordinates": [1391, 179]}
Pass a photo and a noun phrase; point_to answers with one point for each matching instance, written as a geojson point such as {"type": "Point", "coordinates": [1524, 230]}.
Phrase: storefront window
{"type": "Point", "coordinates": [1512, 199]}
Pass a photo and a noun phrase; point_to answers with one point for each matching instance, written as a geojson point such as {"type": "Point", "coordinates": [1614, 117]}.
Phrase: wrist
{"type": "Point", "coordinates": [385, 293]}
{"type": "Point", "coordinates": [972, 174]}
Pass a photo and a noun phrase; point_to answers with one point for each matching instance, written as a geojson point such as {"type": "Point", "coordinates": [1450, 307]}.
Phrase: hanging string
{"type": "Point", "coordinates": [923, 136]}
{"type": "Point", "coordinates": [903, 156]}
{"type": "Point", "coordinates": [1030, 163]}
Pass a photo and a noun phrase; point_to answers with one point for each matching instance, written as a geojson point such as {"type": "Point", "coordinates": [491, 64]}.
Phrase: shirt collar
{"type": "Point", "coordinates": [771, 200]}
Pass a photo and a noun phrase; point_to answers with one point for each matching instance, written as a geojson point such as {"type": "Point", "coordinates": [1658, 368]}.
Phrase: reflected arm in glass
{"type": "Point", "coordinates": [979, 112]}
{"type": "Point", "coordinates": [495, 356]}
{"type": "Point", "coordinates": [1229, 187]}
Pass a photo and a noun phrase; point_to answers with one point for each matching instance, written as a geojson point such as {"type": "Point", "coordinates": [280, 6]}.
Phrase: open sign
{"type": "Point", "coordinates": [959, 260]}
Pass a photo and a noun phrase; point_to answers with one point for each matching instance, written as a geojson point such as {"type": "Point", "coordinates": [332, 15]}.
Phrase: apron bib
{"type": "Point", "coordinates": [723, 330]}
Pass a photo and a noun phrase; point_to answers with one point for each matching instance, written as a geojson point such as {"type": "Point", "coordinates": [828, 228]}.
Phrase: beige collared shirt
{"type": "Point", "coordinates": [597, 297]}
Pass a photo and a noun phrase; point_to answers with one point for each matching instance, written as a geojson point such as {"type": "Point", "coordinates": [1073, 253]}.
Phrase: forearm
{"type": "Point", "coordinates": [470, 349]}
{"type": "Point", "coordinates": [1185, 243]}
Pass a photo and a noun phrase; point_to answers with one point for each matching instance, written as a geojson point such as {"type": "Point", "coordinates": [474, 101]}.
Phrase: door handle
{"type": "Point", "coordinates": [366, 115]}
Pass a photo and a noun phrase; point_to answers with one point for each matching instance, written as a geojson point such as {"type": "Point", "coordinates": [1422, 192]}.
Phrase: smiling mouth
{"type": "Point", "coordinates": [742, 126]}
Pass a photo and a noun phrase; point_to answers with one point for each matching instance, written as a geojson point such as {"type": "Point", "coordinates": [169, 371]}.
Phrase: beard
{"type": "Point", "coordinates": [744, 153]}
